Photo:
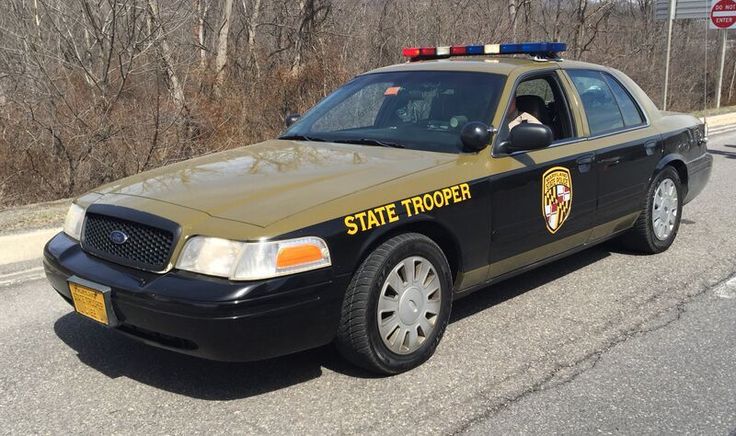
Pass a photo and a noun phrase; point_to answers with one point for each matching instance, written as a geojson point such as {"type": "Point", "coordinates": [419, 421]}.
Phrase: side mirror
{"type": "Point", "coordinates": [528, 136]}
{"type": "Point", "coordinates": [291, 119]}
{"type": "Point", "coordinates": [475, 136]}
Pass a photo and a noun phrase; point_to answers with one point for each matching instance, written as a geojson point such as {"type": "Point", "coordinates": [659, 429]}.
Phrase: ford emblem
{"type": "Point", "coordinates": [118, 237]}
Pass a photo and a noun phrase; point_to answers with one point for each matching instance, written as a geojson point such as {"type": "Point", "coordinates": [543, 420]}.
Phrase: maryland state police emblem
{"type": "Point", "coordinates": [556, 197]}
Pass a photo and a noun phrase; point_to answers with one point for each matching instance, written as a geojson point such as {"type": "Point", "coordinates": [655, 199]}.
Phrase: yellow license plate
{"type": "Point", "coordinates": [89, 302]}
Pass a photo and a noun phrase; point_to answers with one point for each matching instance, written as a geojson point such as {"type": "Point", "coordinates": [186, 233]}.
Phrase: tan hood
{"type": "Point", "coordinates": [267, 182]}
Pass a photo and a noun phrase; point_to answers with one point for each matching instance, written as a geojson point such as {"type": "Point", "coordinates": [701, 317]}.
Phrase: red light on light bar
{"type": "Point", "coordinates": [410, 52]}
{"type": "Point", "coordinates": [427, 51]}
{"type": "Point", "coordinates": [457, 50]}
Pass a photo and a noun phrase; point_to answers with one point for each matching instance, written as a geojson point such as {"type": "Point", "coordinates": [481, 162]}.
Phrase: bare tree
{"type": "Point", "coordinates": [202, 7]}
{"type": "Point", "coordinates": [251, 25]}
{"type": "Point", "coordinates": [222, 40]}
{"type": "Point", "coordinates": [165, 56]}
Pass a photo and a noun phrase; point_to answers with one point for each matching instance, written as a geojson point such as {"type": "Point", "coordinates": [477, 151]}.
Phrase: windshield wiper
{"type": "Point", "coordinates": [369, 141]}
{"type": "Point", "coordinates": [302, 138]}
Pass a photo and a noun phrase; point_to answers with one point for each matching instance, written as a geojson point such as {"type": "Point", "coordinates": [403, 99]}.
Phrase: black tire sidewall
{"type": "Point", "coordinates": [427, 249]}
{"type": "Point", "coordinates": [657, 244]}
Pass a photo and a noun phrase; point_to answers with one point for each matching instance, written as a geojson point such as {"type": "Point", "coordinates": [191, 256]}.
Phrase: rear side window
{"type": "Point", "coordinates": [600, 105]}
{"type": "Point", "coordinates": [629, 109]}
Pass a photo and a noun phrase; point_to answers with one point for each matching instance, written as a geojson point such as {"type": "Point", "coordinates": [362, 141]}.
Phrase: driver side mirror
{"type": "Point", "coordinates": [475, 136]}
{"type": "Point", "coordinates": [527, 136]}
{"type": "Point", "coordinates": [291, 119]}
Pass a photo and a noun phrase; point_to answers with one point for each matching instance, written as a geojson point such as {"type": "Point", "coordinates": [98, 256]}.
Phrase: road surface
{"type": "Point", "coordinates": [603, 341]}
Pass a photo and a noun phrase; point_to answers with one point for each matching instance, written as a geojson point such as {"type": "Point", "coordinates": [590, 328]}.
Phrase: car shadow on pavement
{"type": "Point", "coordinates": [115, 355]}
{"type": "Point", "coordinates": [726, 154]}
{"type": "Point", "coordinates": [505, 290]}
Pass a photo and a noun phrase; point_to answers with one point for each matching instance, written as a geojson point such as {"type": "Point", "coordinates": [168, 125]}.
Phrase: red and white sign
{"type": "Point", "coordinates": [723, 14]}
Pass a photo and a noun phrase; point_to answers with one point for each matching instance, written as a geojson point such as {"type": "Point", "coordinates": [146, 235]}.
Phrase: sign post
{"type": "Point", "coordinates": [722, 17]}
{"type": "Point", "coordinates": [673, 9]}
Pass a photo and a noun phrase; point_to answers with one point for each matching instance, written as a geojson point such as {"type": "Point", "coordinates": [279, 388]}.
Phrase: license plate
{"type": "Point", "coordinates": [89, 302]}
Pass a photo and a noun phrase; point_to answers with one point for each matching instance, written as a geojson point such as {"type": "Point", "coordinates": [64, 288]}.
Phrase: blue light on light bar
{"type": "Point", "coordinates": [474, 49]}
{"type": "Point", "coordinates": [533, 47]}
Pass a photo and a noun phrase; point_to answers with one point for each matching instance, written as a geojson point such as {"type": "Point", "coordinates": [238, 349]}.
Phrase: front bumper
{"type": "Point", "coordinates": [208, 317]}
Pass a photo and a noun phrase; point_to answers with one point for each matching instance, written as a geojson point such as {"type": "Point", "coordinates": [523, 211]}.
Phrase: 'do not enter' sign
{"type": "Point", "coordinates": [723, 14]}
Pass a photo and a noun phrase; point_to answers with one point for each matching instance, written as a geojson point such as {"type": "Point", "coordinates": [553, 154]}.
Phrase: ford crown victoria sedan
{"type": "Point", "coordinates": [407, 188]}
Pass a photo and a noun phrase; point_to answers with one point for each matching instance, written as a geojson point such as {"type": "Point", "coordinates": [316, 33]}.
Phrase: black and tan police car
{"type": "Point", "coordinates": [408, 187]}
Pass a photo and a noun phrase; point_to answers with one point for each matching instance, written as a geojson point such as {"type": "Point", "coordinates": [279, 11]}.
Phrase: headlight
{"type": "Point", "coordinates": [253, 260]}
{"type": "Point", "coordinates": [73, 221]}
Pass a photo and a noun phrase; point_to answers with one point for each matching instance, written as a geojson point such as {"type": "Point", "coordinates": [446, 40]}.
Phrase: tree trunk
{"type": "Point", "coordinates": [296, 63]}
{"type": "Point", "coordinates": [251, 26]}
{"type": "Point", "coordinates": [164, 52]}
{"type": "Point", "coordinates": [512, 16]}
{"type": "Point", "coordinates": [37, 19]}
{"type": "Point", "coordinates": [202, 7]}
{"type": "Point", "coordinates": [730, 87]}
{"type": "Point", "coordinates": [580, 29]}
{"type": "Point", "coordinates": [222, 39]}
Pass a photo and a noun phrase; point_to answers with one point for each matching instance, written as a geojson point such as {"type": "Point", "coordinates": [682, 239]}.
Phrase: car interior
{"type": "Point", "coordinates": [542, 98]}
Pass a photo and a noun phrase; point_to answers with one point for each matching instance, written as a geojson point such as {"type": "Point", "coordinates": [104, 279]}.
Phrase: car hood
{"type": "Point", "coordinates": [267, 182]}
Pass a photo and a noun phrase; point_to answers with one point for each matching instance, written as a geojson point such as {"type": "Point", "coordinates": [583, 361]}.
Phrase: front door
{"type": "Point", "coordinates": [545, 203]}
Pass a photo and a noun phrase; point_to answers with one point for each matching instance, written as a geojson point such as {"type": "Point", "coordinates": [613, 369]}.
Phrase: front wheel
{"type": "Point", "coordinates": [657, 226]}
{"type": "Point", "coordinates": [397, 305]}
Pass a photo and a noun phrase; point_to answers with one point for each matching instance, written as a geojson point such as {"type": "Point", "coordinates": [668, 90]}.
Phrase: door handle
{"type": "Point", "coordinates": [610, 161]}
{"type": "Point", "coordinates": [585, 162]}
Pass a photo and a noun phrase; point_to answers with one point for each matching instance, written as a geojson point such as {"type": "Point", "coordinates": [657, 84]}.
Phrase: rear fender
{"type": "Point", "coordinates": [678, 162]}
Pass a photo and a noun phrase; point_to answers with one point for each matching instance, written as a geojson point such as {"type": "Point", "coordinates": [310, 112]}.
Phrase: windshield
{"type": "Point", "coordinates": [420, 110]}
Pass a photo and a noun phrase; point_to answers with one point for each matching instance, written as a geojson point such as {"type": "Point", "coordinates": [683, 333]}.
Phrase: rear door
{"type": "Point", "coordinates": [628, 147]}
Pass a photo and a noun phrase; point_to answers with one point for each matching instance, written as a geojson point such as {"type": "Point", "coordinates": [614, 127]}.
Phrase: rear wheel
{"type": "Point", "coordinates": [657, 226]}
{"type": "Point", "coordinates": [397, 305]}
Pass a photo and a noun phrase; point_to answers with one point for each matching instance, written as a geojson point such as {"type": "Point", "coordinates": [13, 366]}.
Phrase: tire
{"type": "Point", "coordinates": [366, 336]}
{"type": "Point", "coordinates": [645, 237]}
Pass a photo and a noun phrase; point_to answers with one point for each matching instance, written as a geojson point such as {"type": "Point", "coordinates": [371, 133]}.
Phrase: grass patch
{"type": "Point", "coordinates": [33, 216]}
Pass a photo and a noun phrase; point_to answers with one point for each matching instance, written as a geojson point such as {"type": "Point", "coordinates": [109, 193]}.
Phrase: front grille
{"type": "Point", "coordinates": [146, 247]}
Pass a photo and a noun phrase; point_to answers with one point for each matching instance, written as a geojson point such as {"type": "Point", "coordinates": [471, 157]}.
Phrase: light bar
{"type": "Point", "coordinates": [547, 50]}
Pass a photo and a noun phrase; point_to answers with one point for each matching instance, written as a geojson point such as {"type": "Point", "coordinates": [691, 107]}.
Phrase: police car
{"type": "Point", "coordinates": [407, 188]}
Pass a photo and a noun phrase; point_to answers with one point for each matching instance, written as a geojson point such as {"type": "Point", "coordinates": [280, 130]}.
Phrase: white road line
{"type": "Point", "coordinates": [727, 290]}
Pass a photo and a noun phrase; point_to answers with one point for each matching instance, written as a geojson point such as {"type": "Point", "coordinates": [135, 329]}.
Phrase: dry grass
{"type": "Point", "coordinates": [33, 216]}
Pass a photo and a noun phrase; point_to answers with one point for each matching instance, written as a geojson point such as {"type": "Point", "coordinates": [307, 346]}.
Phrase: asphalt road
{"type": "Point", "coordinates": [603, 341]}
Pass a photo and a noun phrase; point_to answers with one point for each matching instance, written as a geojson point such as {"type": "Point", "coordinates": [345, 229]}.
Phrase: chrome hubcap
{"type": "Point", "coordinates": [409, 305]}
{"type": "Point", "coordinates": [664, 213]}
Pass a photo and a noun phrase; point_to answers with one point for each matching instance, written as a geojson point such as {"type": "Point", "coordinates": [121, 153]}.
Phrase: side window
{"type": "Point", "coordinates": [599, 103]}
{"type": "Point", "coordinates": [539, 100]}
{"type": "Point", "coordinates": [538, 87]}
{"type": "Point", "coordinates": [629, 109]}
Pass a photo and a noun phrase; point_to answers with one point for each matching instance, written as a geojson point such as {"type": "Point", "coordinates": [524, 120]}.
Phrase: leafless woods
{"type": "Point", "coordinates": [94, 90]}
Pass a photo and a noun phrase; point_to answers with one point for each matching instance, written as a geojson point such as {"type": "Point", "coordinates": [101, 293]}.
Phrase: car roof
{"type": "Point", "coordinates": [491, 64]}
